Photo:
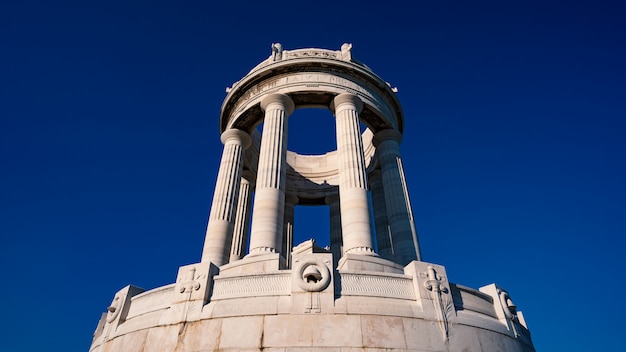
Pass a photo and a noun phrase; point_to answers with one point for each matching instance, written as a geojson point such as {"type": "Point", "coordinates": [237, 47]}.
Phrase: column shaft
{"type": "Point", "coordinates": [383, 233]}
{"type": "Point", "coordinates": [288, 224]}
{"type": "Point", "coordinates": [242, 218]}
{"type": "Point", "coordinates": [269, 199]}
{"type": "Point", "coordinates": [405, 246]}
{"type": "Point", "coordinates": [409, 209]}
{"type": "Point", "coordinates": [355, 217]}
{"type": "Point", "coordinates": [336, 243]}
{"type": "Point", "coordinates": [221, 219]}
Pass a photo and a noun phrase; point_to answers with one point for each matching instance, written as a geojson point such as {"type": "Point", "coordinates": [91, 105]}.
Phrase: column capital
{"type": "Point", "coordinates": [239, 136]}
{"type": "Point", "coordinates": [384, 135]}
{"type": "Point", "coordinates": [347, 98]}
{"type": "Point", "coordinates": [278, 98]}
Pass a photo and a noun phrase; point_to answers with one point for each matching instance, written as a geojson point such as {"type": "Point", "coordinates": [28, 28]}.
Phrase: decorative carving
{"type": "Point", "coordinates": [312, 53]}
{"type": "Point", "coordinates": [312, 275]}
{"type": "Point", "coordinates": [346, 52]}
{"type": "Point", "coordinates": [509, 308]}
{"type": "Point", "coordinates": [314, 305]}
{"type": "Point", "coordinates": [393, 89]}
{"type": "Point", "coordinates": [437, 290]}
{"type": "Point", "coordinates": [249, 286]}
{"type": "Point", "coordinates": [188, 283]}
{"type": "Point", "coordinates": [377, 286]}
{"type": "Point", "coordinates": [114, 309]}
{"type": "Point", "coordinates": [277, 51]}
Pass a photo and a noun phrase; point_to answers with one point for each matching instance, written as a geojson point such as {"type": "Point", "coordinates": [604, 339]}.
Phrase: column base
{"type": "Point", "coordinates": [262, 262]}
{"type": "Point", "coordinates": [358, 262]}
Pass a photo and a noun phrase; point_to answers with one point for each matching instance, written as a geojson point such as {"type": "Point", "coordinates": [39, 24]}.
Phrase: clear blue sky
{"type": "Point", "coordinates": [514, 147]}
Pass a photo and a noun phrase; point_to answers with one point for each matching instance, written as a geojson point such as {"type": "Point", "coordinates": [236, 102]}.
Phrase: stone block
{"type": "Point", "coordinates": [384, 332]}
{"type": "Point", "coordinates": [163, 338]}
{"type": "Point", "coordinates": [201, 335]}
{"type": "Point", "coordinates": [241, 332]}
{"type": "Point", "coordinates": [311, 330]}
{"type": "Point", "coordinates": [423, 333]}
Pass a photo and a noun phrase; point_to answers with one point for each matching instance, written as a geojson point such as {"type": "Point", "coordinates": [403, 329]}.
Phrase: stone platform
{"type": "Point", "coordinates": [369, 304]}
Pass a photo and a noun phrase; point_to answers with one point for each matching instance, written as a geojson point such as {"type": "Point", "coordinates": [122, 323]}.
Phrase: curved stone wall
{"type": "Point", "coordinates": [250, 306]}
{"type": "Point", "coordinates": [368, 291]}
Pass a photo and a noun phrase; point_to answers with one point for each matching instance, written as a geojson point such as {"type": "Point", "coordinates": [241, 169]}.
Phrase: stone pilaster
{"type": "Point", "coordinates": [405, 246]}
{"type": "Point", "coordinates": [383, 235]}
{"type": "Point", "coordinates": [290, 202]}
{"type": "Point", "coordinates": [355, 217]}
{"type": "Point", "coordinates": [219, 232]}
{"type": "Point", "coordinates": [336, 244]}
{"type": "Point", "coordinates": [242, 218]}
{"type": "Point", "coordinates": [269, 200]}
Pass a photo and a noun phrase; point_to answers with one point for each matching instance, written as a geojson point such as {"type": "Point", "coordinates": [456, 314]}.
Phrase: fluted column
{"type": "Point", "coordinates": [355, 217]}
{"type": "Point", "coordinates": [219, 232]}
{"type": "Point", "coordinates": [409, 209]}
{"type": "Point", "coordinates": [269, 199]}
{"type": "Point", "coordinates": [242, 217]}
{"type": "Point", "coordinates": [290, 202]}
{"type": "Point", "coordinates": [336, 245]}
{"type": "Point", "coordinates": [383, 235]}
{"type": "Point", "coordinates": [405, 246]}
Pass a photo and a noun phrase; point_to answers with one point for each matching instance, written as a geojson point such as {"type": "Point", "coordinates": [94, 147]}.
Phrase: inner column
{"type": "Point", "coordinates": [242, 218]}
{"type": "Point", "coordinates": [355, 216]}
{"type": "Point", "coordinates": [269, 199]}
{"type": "Point", "coordinates": [405, 246]}
{"type": "Point", "coordinates": [336, 247]}
{"type": "Point", "coordinates": [383, 234]}
{"type": "Point", "coordinates": [290, 202]}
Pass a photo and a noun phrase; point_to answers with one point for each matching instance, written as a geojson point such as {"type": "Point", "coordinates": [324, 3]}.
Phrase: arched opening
{"type": "Point", "coordinates": [312, 222]}
{"type": "Point", "coordinates": [311, 131]}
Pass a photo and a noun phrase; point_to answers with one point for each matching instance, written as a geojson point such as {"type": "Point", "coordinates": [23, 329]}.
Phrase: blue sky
{"type": "Point", "coordinates": [514, 148]}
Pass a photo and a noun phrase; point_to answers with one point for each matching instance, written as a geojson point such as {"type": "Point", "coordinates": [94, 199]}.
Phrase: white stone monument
{"type": "Point", "coordinates": [253, 290]}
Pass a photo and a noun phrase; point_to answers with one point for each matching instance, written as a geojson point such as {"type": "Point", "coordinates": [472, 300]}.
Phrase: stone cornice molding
{"type": "Point", "coordinates": [311, 77]}
{"type": "Point", "coordinates": [384, 135]}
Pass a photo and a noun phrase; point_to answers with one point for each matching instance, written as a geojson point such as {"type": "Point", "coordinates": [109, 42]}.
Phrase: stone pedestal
{"type": "Point", "coordinates": [277, 297]}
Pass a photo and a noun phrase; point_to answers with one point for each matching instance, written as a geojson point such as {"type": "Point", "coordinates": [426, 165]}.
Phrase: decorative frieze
{"type": "Point", "coordinates": [384, 286]}
{"type": "Point", "coordinates": [266, 284]}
